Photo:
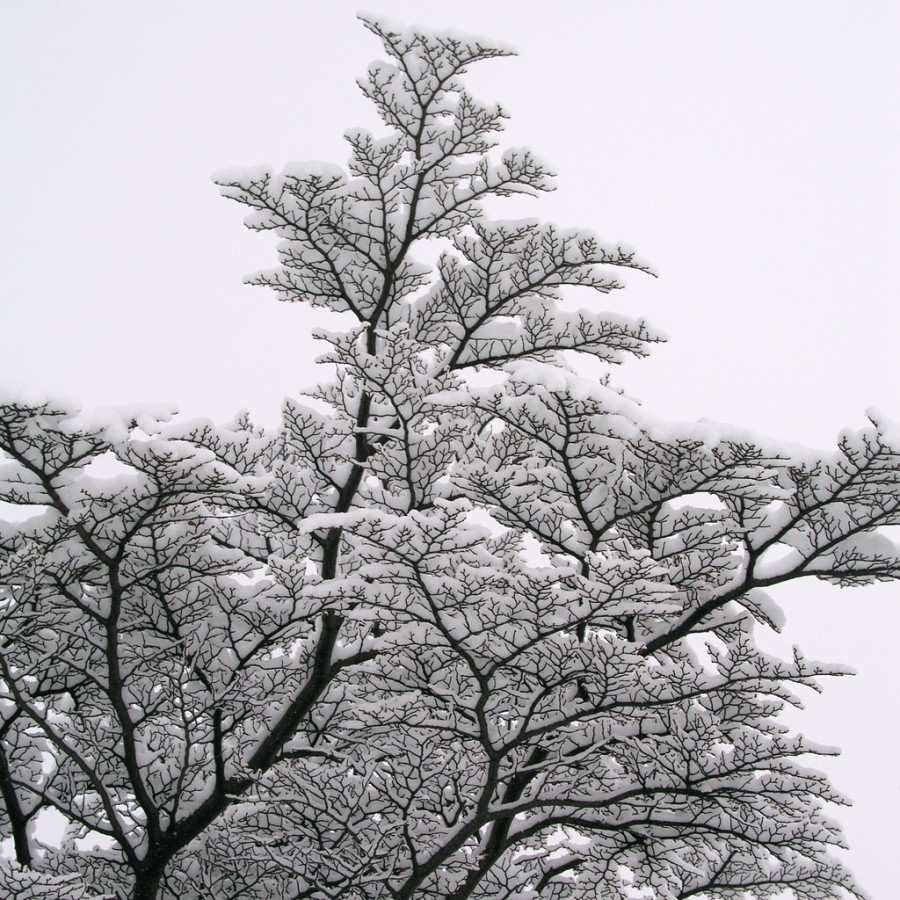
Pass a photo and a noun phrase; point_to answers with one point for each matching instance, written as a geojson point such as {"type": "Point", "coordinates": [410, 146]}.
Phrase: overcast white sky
{"type": "Point", "coordinates": [748, 149]}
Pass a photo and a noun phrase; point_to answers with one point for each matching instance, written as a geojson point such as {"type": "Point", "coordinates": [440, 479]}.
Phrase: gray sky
{"type": "Point", "coordinates": [747, 149]}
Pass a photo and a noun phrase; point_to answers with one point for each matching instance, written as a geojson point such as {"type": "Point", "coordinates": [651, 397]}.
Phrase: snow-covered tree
{"type": "Point", "coordinates": [468, 624]}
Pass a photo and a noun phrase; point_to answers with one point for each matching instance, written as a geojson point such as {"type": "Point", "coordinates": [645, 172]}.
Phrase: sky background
{"type": "Point", "coordinates": [748, 150]}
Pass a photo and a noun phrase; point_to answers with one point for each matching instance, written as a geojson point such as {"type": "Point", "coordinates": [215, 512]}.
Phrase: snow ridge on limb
{"type": "Point", "coordinates": [467, 624]}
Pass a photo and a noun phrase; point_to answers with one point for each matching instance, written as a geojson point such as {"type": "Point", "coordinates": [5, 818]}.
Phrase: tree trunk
{"type": "Point", "coordinates": [147, 882]}
{"type": "Point", "coordinates": [18, 820]}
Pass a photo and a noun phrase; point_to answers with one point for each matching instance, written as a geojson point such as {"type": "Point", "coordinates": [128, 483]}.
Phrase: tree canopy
{"type": "Point", "coordinates": [469, 623]}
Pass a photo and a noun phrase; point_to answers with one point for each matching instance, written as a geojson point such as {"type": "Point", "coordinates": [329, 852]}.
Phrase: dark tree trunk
{"type": "Point", "coordinates": [18, 820]}
{"type": "Point", "coordinates": [147, 882]}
